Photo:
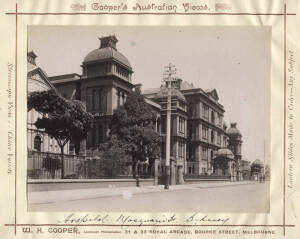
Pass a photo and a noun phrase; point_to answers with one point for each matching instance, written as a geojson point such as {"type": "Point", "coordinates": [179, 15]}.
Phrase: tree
{"type": "Point", "coordinates": [113, 157]}
{"type": "Point", "coordinates": [62, 119]}
{"type": "Point", "coordinates": [51, 165]}
{"type": "Point", "coordinates": [133, 125]}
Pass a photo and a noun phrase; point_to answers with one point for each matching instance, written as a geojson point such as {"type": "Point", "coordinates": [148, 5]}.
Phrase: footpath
{"type": "Point", "coordinates": [46, 197]}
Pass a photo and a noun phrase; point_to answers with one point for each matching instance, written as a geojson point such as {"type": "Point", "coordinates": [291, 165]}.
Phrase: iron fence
{"type": "Point", "coordinates": [44, 165]}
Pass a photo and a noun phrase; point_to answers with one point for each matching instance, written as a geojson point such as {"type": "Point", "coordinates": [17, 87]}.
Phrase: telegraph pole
{"type": "Point", "coordinates": [170, 71]}
{"type": "Point", "coordinates": [264, 157]}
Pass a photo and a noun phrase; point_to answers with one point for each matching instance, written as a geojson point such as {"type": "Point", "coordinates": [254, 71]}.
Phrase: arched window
{"type": "Point", "coordinates": [93, 99]}
{"type": "Point", "coordinates": [37, 143]}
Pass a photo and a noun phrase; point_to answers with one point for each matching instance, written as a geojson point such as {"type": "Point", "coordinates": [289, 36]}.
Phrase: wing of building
{"type": "Point", "coordinates": [37, 80]}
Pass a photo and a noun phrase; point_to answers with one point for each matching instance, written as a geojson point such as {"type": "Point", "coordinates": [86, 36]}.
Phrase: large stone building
{"type": "Point", "coordinates": [103, 86]}
{"type": "Point", "coordinates": [198, 132]}
{"type": "Point", "coordinates": [204, 137]}
{"type": "Point", "coordinates": [206, 129]}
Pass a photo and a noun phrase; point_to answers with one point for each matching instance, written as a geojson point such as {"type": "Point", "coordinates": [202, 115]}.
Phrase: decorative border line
{"type": "Point", "coordinates": [16, 13]}
{"type": "Point", "coordinates": [150, 13]}
{"type": "Point", "coordinates": [16, 114]}
{"type": "Point", "coordinates": [150, 225]}
{"type": "Point", "coordinates": [284, 120]}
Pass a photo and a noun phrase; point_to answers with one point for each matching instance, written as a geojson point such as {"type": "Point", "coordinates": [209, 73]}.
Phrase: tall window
{"type": "Point", "coordinates": [37, 143]}
{"type": "Point", "coordinates": [181, 125]}
{"type": "Point", "coordinates": [191, 152]}
{"type": "Point", "coordinates": [93, 99]}
{"type": "Point", "coordinates": [119, 98]}
{"type": "Point", "coordinates": [219, 119]}
{"type": "Point", "coordinates": [212, 116]}
{"type": "Point", "coordinates": [212, 137]}
{"type": "Point", "coordinates": [204, 132]}
{"type": "Point", "coordinates": [100, 99]}
{"type": "Point", "coordinates": [219, 139]}
{"type": "Point", "coordinates": [158, 125]}
{"type": "Point", "coordinates": [211, 154]}
{"type": "Point", "coordinates": [205, 111]}
{"type": "Point", "coordinates": [204, 153]}
{"type": "Point", "coordinates": [224, 142]}
{"type": "Point", "coordinates": [197, 109]}
{"type": "Point", "coordinates": [181, 149]}
{"type": "Point", "coordinates": [191, 109]}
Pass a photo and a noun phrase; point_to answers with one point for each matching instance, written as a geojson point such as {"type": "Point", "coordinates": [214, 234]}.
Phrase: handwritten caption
{"type": "Point", "coordinates": [134, 224]}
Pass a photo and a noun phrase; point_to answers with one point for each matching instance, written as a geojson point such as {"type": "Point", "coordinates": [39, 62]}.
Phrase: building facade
{"type": "Point", "coordinates": [198, 130]}
{"type": "Point", "coordinates": [103, 86]}
{"type": "Point", "coordinates": [37, 80]}
{"type": "Point", "coordinates": [206, 129]}
{"type": "Point", "coordinates": [178, 128]}
{"type": "Point", "coordinates": [235, 145]}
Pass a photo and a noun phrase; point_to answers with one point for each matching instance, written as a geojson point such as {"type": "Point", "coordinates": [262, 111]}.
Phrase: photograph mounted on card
{"type": "Point", "coordinates": [107, 104]}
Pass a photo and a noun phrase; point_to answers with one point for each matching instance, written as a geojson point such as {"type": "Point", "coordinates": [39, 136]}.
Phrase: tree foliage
{"type": "Point", "coordinates": [114, 157]}
{"type": "Point", "coordinates": [133, 124]}
{"type": "Point", "coordinates": [61, 119]}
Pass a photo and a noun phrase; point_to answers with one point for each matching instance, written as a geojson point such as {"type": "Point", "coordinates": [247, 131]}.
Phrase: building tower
{"type": "Point", "coordinates": [178, 128]}
{"type": "Point", "coordinates": [235, 145]}
{"type": "Point", "coordinates": [105, 85]}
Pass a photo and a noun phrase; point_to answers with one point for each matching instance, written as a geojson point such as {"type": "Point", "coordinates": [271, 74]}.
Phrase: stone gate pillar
{"type": "Point", "coordinates": [156, 162]}
{"type": "Point", "coordinates": [180, 175]}
{"type": "Point", "coordinates": [173, 172]}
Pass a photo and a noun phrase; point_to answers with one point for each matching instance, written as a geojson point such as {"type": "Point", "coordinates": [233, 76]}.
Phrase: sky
{"type": "Point", "coordinates": [235, 60]}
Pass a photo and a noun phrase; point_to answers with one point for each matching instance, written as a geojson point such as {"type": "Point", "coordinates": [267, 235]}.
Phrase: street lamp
{"type": "Point", "coordinates": [169, 72]}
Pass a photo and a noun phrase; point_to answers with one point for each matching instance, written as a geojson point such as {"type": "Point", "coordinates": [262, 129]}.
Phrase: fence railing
{"type": "Point", "coordinates": [44, 165]}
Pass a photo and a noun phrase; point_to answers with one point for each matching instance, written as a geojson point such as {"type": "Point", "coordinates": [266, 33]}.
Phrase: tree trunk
{"type": "Point", "coordinates": [150, 169]}
{"type": "Point", "coordinates": [134, 168]}
{"type": "Point", "coordinates": [62, 162]}
{"type": "Point", "coordinates": [52, 172]}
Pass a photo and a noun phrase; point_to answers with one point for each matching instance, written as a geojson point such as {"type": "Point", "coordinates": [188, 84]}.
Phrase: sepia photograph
{"type": "Point", "coordinates": [148, 119]}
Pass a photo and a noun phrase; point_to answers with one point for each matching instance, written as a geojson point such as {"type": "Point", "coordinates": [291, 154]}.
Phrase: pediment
{"type": "Point", "coordinates": [38, 81]}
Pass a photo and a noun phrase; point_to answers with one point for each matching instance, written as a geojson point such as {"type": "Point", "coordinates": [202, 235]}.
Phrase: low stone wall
{"type": "Point", "coordinates": [205, 180]}
{"type": "Point", "coordinates": [38, 185]}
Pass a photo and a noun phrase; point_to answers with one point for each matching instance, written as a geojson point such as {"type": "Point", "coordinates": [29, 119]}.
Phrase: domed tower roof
{"type": "Point", "coordinates": [107, 51]}
{"type": "Point", "coordinates": [163, 93]}
{"type": "Point", "coordinates": [233, 130]}
{"type": "Point", "coordinates": [225, 153]}
{"type": "Point", "coordinates": [258, 163]}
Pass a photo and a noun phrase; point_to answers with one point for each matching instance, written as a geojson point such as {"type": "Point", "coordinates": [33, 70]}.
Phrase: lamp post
{"type": "Point", "coordinates": [170, 70]}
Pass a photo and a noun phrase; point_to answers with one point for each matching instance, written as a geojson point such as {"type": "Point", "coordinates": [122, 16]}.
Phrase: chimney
{"type": "Point", "coordinates": [138, 87]}
{"type": "Point", "coordinates": [233, 125]}
{"type": "Point", "coordinates": [31, 56]}
{"type": "Point", "coordinates": [108, 41]}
